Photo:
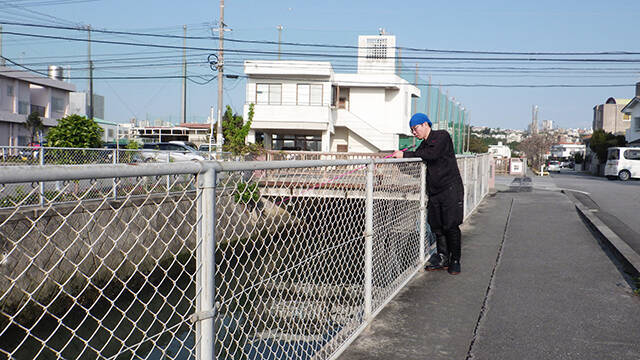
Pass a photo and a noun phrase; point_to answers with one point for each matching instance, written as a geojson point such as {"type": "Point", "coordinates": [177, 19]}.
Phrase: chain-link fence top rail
{"type": "Point", "coordinates": [27, 155]}
{"type": "Point", "coordinates": [121, 278]}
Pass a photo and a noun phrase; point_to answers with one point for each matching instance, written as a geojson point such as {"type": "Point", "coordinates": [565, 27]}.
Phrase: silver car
{"type": "Point", "coordinates": [169, 152]}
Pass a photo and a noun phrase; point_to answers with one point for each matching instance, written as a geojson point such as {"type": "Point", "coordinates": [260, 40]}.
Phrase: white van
{"type": "Point", "coordinates": [623, 163]}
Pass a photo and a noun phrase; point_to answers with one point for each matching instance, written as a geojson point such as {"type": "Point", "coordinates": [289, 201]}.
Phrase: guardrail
{"type": "Point", "coordinates": [253, 260]}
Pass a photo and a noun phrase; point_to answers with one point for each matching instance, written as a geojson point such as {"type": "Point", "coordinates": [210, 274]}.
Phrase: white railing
{"type": "Point", "coordinates": [246, 260]}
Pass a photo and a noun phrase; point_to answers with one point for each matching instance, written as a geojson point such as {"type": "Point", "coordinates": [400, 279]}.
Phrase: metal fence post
{"type": "Point", "coordinates": [465, 183]}
{"type": "Point", "coordinates": [41, 156]}
{"type": "Point", "coordinates": [205, 303]}
{"type": "Point", "coordinates": [115, 180]}
{"type": "Point", "coordinates": [475, 180]}
{"type": "Point", "coordinates": [168, 176]}
{"type": "Point", "coordinates": [423, 210]}
{"type": "Point", "coordinates": [368, 243]}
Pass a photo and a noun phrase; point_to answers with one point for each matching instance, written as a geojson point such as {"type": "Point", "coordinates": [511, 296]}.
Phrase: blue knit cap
{"type": "Point", "coordinates": [419, 118]}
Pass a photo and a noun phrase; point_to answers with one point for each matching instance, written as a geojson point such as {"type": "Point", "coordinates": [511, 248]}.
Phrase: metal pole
{"type": "Point", "coordinates": [368, 244]}
{"type": "Point", "coordinates": [468, 132]}
{"type": "Point", "coordinates": [438, 109]}
{"type": "Point", "coordinates": [211, 119]}
{"type": "Point", "coordinates": [115, 180]}
{"type": "Point", "coordinates": [184, 75]}
{"type": "Point", "coordinates": [423, 210]}
{"type": "Point", "coordinates": [279, 27]}
{"type": "Point", "coordinates": [90, 89]}
{"type": "Point", "coordinates": [206, 337]}
{"type": "Point", "coordinates": [2, 63]}
{"type": "Point", "coordinates": [41, 155]}
{"type": "Point", "coordinates": [220, 77]}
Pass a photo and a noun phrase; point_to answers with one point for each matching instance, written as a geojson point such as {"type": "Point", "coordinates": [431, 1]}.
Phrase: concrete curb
{"type": "Point", "coordinates": [629, 258]}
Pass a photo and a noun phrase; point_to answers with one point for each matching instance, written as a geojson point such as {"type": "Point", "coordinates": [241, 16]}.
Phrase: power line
{"type": "Point", "coordinates": [335, 46]}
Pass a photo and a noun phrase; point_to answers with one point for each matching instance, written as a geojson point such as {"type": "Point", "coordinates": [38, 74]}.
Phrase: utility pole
{"type": "Point", "coordinates": [90, 89]}
{"type": "Point", "coordinates": [1, 58]}
{"type": "Point", "coordinates": [279, 27]}
{"type": "Point", "coordinates": [211, 120]}
{"type": "Point", "coordinates": [220, 77]}
{"type": "Point", "coordinates": [90, 72]}
{"type": "Point", "coordinates": [184, 75]}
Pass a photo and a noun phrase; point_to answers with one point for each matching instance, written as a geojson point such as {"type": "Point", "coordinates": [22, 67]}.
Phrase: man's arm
{"type": "Point", "coordinates": [431, 150]}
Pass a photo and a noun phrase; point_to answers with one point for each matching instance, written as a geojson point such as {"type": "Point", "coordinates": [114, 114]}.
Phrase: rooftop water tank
{"type": "Point", "coordinates": [56, 72]}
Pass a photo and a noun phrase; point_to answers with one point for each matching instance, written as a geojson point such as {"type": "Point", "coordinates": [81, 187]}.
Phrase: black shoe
{"type": "Point", "coordinates": [454, 267]}
{"type": "Point", "coordinates": [437, 262]}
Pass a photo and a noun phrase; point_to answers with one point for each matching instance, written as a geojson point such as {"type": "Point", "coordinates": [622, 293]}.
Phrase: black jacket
{"type": "Point", "coordinates": [442, 168]}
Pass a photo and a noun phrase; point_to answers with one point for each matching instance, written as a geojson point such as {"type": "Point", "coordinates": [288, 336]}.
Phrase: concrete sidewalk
{"type": "Point", "coordinates": [535, 284]}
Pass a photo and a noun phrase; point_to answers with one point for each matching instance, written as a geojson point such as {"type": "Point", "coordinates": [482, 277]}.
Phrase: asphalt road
{"type": "Point", "coordinates": [615, 202]}
{"type": "Point", "coordinates": [620, 198]}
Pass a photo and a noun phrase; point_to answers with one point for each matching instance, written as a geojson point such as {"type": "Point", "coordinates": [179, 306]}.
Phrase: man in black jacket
{"type": "Point", "coordinates": [445, 209]}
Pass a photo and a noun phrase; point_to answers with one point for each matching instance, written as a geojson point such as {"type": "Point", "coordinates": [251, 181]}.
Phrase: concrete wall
{"type": "Point", "coordinates": [609, 118]}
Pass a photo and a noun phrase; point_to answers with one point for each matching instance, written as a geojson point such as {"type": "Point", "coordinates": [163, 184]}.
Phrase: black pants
{"type": "Point", "coordinates": [445, 212]}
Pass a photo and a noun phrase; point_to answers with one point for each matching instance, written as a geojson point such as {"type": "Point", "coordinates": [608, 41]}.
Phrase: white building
{"type": "Point", "coordinates": [22, 93]}
{"type": "Point", "coordinates": [500, 150]}
{"type": "Point", "coordinates": [632, 134]}
{"type": "Point", "coordinates": [79, 104]}
{"type": "Point", "coordinates": [567, 150]}
{"type": "Point", "coordinates": [547, 125]}
{"type": "Point", "coordinates": [305, 105]}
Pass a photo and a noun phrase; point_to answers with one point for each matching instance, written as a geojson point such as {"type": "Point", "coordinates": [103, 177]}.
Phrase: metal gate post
{"type": "Point", "coordinates": [115, 180]}
{"type": "Point", "coordinates": [205, 311]}
{"type": "Point", "coordinates": [41, 155]}
{"type": "Point", "coordinates": [368, 243]}
{"type": "Point", "coordinates": [423, 210]}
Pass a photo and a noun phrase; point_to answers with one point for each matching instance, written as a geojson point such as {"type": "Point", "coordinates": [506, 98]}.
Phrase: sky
{"type": "Point", "coordinates": [504, 26]}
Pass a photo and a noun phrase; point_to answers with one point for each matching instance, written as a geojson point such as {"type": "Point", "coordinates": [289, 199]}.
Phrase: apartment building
{"type": "Point", "coordinates": [305, 105]}
{"type": "Point", "coordinates": [22, 93]}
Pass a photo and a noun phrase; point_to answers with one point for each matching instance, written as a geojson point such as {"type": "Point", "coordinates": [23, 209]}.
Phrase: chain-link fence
{"type": "Point", "coordinates": [247, 260]}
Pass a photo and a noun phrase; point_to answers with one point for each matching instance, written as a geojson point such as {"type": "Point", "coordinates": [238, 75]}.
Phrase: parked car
{"type": "Point", "coordinates": [169, 152]}
{"type": "Point", "coordinates": [553, 166]}
{"type": "Point", "coordinates": [622, 163]}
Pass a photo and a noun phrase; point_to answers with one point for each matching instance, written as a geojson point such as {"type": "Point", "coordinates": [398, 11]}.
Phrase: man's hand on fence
{"type": "Point", "coordinates": [398, 154]}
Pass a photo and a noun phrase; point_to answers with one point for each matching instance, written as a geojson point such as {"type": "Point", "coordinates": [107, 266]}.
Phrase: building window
{"type": "Point", "coordinates": [626, 117]}
{"type": "Point", "coordinates": [638, 123]}
{"type": "Point", "coordinates": [269, 94]}
{"type": "Point", "coordinates": [110, 133]}
{"type": "Point", "coordinates": [23, 107]}
{"type": "Point", "coordinates": [377, 48]}
{"type": "Point", "coordinates": [10, 90]}
{"type": "Point", "coordinates": [57, 104]}
{"type": "Point", "coordinates": [309, 94]}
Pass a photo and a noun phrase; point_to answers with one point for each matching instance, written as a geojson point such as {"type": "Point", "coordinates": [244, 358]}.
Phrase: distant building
{"type": "Point", "coordinates": [609, 116]}
{"type": "Point", "coordinates": [79, 104]}
{"type": "Point", "coordinates": [305, 105]}
{"type": "Point", "coordinates": [500, 150]}
{"type": "Point", "coordinates": [567, 150]}
{"type": "Point", "coordinates": [22, 93]}
{"type": "Point", "coordinates": [547, 125]}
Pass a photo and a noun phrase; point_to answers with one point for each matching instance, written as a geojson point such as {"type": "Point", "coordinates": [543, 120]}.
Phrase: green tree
{"type": "Point", "coordinates": [476, 145]}
{"type": "Point", "coordinates": [235, 131]}
{"type": "Point", "coordinates": [75, 131]}
{"type": "Point", "coordinates": [34, 124]}
{"type": "Point", "coordinates": [601, 141]}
